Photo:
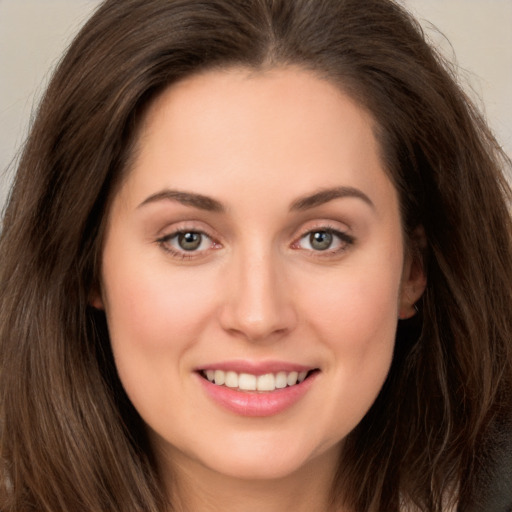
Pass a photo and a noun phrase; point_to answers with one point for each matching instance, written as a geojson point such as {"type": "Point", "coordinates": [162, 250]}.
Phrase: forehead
{"type": "Point", "coordinates": [247, 95]}
{"type": "Point", "coordinates": [251, 128]}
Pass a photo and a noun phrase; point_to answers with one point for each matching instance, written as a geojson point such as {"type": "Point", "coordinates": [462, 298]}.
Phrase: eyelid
{"type": "Point", "coordinates": [331, 226]}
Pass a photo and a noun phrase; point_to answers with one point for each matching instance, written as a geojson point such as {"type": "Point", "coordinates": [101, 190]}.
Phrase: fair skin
{"type": "Point", "coordinates": [221, 255]}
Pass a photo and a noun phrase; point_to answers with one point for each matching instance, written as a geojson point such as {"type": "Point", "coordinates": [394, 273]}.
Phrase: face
{"type": "Point", "coordinates": [253, 272]}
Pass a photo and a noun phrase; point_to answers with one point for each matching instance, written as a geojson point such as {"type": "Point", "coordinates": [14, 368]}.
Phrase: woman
{"type": "Point", "coordinates": [257, 257]}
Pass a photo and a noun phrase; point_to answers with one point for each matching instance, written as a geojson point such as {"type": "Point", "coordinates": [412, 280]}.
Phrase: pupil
{"type": "Point", "coordinates": [189, 241]}
{"type": "Point", "coordinates": [321, 240]}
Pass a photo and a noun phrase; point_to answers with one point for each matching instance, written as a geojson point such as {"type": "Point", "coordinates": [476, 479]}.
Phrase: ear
{"type": "Point", "coordinates": [95, 298]}
{"type": "Point", "coordinates": [414, 279]}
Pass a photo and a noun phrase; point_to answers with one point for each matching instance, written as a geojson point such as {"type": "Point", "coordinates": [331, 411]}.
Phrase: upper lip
{"type": "Point", "coordinates": [256, 367]}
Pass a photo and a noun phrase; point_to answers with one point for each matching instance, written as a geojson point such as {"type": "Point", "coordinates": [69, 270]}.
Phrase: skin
{"type": "Point", "coordinates": [256, 289]}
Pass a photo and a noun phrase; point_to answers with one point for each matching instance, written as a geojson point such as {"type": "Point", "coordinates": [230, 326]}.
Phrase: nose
{"type": "Point", "coordinates": [257, 303]}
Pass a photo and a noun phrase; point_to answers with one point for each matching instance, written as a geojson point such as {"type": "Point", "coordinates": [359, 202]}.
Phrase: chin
{"type": "Point", "coordinates": [263, 462]}
{"type": "Point", "coordinates": [263, 469]}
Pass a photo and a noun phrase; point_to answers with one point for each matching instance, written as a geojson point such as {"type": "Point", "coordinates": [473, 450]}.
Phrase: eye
{"type": "Point", "coordinates": [329, 240]}
{"type": "Point", "coordinates": [189, 241]}
{"type": "Point", "coordinates": [320, 240]}
{"type": "Point", "coordinates": [182, 242]}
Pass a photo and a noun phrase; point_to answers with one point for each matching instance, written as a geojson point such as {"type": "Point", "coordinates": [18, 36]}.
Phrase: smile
{"type": "Point", "coordinates": [250, 382]}
{"type": "Point", "coordinates": [257, 390]}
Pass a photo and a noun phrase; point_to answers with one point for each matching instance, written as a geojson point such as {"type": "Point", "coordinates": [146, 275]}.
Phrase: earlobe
{"type": "Point", "coordinates": [96, 300]}
{"type": "Point", "coordinates": [414, 279]}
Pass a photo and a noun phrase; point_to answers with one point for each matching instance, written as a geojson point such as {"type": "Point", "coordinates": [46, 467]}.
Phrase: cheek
{"type": "Point", "coordinates": [153, 305]}
{"type": "Point", "coordinates": [356, 309]}
{"type": "Point", "coordinates": [154, 317]}
{"type": "Point", "coordinates": [355, 317]}
{"type": "Point", "coordinates": [355, 321]}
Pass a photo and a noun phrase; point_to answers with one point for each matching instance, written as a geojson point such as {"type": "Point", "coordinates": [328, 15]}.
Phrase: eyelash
{"type": "Point", "coordinates": [344, 239]}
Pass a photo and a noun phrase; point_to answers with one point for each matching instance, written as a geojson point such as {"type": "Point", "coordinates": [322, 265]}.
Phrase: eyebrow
{"type": "Point", "coordinates": [212, 205]}
{"type": "Point", "coordinates": [187, 199]}
{"type": "Point", "coordinates": [329, 194]}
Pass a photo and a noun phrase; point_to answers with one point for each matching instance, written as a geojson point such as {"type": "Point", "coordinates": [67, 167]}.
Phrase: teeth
{"type": "Point", "coordinates": [231, 380]}
{"type": "Point", "coordinates": [281, 380]}
{"type": "Point", "coordinates": [301, 376]}
{"type": "Point", "coordinates": [292, 378]}
{"type": "Point", "coordinates": [219, 377]}
{"type": "Point", "coordinates": [249, 382]}
{"type": "Point", "coordinates": [266, 382]}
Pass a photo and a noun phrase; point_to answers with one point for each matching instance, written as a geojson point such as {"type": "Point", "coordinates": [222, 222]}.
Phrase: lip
{"type": "Point", "coordinates": [256, 403]}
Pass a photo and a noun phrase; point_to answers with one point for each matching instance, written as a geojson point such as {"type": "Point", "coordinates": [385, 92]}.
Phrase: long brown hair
{"type": "Point", "coordinates": [69, 437]}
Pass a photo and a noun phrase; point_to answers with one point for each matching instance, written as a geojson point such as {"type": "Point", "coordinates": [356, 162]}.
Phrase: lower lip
{"type": "Point", "coordinates": [257, 404]}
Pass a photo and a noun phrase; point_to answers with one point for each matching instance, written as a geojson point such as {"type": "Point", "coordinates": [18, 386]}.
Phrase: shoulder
{"type": "Point", "coordinates": [493, 492]}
